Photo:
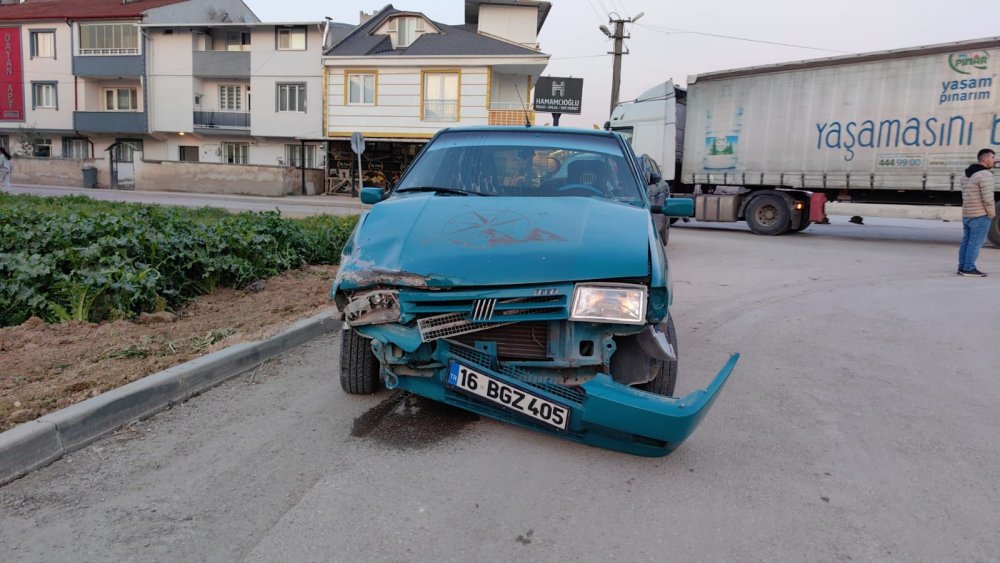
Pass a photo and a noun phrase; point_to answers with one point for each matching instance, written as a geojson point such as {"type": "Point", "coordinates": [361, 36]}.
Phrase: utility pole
{"type": "Point", "coordinates": [619, 37]}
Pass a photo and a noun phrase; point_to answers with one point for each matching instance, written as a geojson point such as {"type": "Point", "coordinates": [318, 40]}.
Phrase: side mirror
{"type": "Point", "coordinates": [655, 178]}
{"type": "Point", "coordinates": [676, 207]}
{"type": "Point", "coordinates": [371, 196]}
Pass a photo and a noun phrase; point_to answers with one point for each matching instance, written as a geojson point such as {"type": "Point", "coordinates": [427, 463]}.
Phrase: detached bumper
{"type": "Point", "coordinates": [603, 413]}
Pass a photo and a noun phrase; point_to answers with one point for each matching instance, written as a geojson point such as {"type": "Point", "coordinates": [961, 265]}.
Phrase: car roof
{"type": "Point", "coordinates": [534, 129]}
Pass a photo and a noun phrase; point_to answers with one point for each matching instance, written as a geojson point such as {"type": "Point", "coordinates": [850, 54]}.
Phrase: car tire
{"type": "Point", "coordinates": [359, 368]}
{"type": "Point", "coordinates": [994, 233]}
{"type": "Point", "coordinates": [666, 376]}
{"type": "Point", "coordinates": [768, 215]}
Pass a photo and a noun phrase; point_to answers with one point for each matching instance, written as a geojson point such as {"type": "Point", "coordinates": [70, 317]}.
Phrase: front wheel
{"type": "Point", "coordinates": [359, 368]}
{"type": "Point", "coordinates": [768, 215]}
{"type": "Point", "coordinates": [666, 370]}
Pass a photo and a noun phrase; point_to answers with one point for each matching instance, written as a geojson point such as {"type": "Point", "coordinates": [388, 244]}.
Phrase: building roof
{"type": "Point", "coordinates": [79, 9]}
{"type": "Point", "coordinates": [451, 41]}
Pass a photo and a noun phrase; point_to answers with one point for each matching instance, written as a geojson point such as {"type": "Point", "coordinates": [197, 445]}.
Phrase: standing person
{"type": "Point", "coordinates": [978, 210]}
{"type": "Point", "coordinates": [6, 167]}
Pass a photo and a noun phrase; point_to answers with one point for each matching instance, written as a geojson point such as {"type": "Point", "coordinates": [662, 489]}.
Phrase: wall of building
{"type": "Point", "coordinates": [513, 23]}
{"type": "Point", "coordinates": [193, 177]}
{"type": "Point", "coordinates": [170, 81]}
{"type": "Point", "coordinates": [397, 108]}
{"type": "Point", "coordinates": [58, 70]}
{"type": "Point", "coordinates": [272, 67]}
{"type": "Point", "coordinates": [55, 171]}
{"type": "Point", "coordinates": [201, 177]}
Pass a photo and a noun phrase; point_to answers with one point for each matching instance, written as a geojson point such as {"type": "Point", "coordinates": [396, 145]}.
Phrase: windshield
{"type": "Point", "coordinates": [524, 164]}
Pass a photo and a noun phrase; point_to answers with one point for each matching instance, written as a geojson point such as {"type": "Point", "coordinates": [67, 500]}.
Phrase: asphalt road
{"type": "Point", "coordinates": [294, 206]}
{"type": "Point", "coordinates": [861, 424]}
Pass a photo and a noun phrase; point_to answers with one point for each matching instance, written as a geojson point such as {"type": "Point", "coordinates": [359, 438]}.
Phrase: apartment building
{"type": "Point", "coordinates": [238, 93]}
{"type": "Point", "coordinates": [400, 77]}
{"type": "Point", "coordinates": [76, 79]}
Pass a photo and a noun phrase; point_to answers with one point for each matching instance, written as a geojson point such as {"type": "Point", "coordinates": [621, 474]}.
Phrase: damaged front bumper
{"type": "Point", "coordinates": [600, 412]}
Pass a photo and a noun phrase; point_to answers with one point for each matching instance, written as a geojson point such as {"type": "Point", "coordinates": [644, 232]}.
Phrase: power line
{"type": "Point", "coordinates": [675, 31]}
{"type": "Point", "coordinates": [596, 13]}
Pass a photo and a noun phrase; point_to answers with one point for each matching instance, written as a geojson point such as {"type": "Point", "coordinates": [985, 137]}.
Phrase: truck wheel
{"type": "Point", "coordinates": [666, 376]}
{"type": "Point", "coordinates": [994, 233]}
{"type": "Point", "coordinates": [359, 368]}
{"type": "Point", "coordinates": [768, 215]}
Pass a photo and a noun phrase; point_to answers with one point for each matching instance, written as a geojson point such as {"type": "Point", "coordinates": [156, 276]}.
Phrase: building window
{"type": "Point", "coordinates": [407, 31]}
{"type": "Point", "coordinates": [231, 98]}
{"type": "Point", "coordinates": [109, 39]}
{"type": "Point", "coordinates": [189, 154]}
{"type": "Point", "coordinates": [5, 142]}
{"type": "Point", "coordinates": [75, 147]}
{"type": "Point", "coordinates": [293, 156]}
{"type": "Point", "coordinates": [361, 89]}
{"type": "Point", "coordinates": [43, 148]}
{"type": "Point", "coordinates": [235, 153]}
{"type": "Point", "coordinates": [291, 97]}
{"type": "Point", "coordinates": [43, 44]}
{"type": "Point", "coordinates": [292, 39]}
{"type": "Point", "coordinates": [237, 41]}
{"type": "Point", "coordinates": [440, 95]}
{"type": "Point", "coordinates": [121, 99]}
{"type": "Point", "coordinates": [43, 95]}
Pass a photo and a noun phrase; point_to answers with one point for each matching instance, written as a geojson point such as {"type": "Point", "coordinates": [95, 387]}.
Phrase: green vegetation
{"type": "Point", "coordinates": [73, 258]}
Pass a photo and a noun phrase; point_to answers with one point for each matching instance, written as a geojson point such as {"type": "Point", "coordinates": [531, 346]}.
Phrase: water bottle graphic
{"type": "Point", "coordinates": [722, 140]}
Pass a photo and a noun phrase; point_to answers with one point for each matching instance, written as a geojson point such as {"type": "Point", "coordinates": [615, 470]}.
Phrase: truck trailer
{"type": "Point", "coordinates": [885, 134]}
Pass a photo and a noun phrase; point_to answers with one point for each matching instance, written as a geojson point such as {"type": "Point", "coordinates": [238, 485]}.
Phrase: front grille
{"type": "Point", "coordinates": [453, 324]}
{"type": "Point", "coordinates": [521, 341]}
{"type": "Point", "coordinates": [485, 310]}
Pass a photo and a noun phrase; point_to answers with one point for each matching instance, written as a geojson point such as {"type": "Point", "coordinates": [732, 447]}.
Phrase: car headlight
{"type": "Point", "coordinates": [373, 307]}
{"type": "Point", "coordinates": [609, 303]}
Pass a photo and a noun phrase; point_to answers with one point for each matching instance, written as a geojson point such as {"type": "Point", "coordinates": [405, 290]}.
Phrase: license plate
{"type": "Point", "coordinates": [515, 399]}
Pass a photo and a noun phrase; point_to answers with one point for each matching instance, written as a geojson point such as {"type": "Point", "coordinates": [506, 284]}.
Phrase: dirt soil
{"type": "Point", "coordinates": [45, 367]}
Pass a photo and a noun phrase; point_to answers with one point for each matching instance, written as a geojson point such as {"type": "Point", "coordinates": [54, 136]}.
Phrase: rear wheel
{"type": "Point", "coordinates": [666, 370]}
{"type": "Point", "coordinates": [994, 233]}
{"type": "Point", "coordinates": [359, 369]}
{"type": "Point", "coordinates": [768, 215]}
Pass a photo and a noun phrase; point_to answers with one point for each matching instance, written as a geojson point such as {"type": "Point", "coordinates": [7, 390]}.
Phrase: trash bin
{"type": "Point", "coordinates": [89, 177]}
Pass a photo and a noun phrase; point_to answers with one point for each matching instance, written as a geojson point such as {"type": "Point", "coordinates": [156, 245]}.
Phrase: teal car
{"type": "Point", "coordinates": [518, 273]}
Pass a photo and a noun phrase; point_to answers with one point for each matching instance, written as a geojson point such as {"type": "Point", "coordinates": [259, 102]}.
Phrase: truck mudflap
{"type": "Point", "coordinates": [601, 412]}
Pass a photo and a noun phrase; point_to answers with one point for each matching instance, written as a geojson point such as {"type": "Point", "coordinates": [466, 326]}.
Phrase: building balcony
{"type": "Point", "coordinates": [206, 121]}
{"type": "Point", "coordinates": [509, 114]}
{"type": "Point", "coordinates": [135, 122]}
{"type": "Point", "coordinates": [222, 64]}
{"type": "Point", "coordinates": [108, 66]}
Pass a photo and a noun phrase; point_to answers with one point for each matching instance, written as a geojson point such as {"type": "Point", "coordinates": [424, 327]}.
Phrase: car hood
{"type": "Point", "coordinates": [429, 240]}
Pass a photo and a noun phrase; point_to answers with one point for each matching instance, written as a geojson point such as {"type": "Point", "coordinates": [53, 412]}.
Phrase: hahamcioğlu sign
{"type": "Point", "coordinates": [558, 95]}
{"type": "Point", "coordinates": [11, 75]}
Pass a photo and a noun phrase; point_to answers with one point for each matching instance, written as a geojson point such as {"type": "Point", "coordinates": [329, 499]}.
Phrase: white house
{"type": "Point", "coordinates": [400, 77]}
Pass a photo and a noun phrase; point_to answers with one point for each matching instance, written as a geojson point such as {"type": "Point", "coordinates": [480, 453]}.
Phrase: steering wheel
{"type": "Point", "coordinates": [581, 187]}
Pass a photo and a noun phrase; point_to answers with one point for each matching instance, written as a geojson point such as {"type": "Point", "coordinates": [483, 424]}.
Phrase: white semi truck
{"type": "Point", "coordinates": [886, 134]}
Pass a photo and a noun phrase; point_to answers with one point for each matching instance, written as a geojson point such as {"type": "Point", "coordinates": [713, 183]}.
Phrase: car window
{"type": "Point", "coordinates": [529, 164]}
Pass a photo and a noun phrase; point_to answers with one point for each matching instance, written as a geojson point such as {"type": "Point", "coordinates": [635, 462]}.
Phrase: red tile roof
{"type": "Point", "coordinates": [79, 9]}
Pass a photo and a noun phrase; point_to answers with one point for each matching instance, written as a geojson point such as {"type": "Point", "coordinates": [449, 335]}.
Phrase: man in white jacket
{"type": "Point", "coordinates": [978, 211]}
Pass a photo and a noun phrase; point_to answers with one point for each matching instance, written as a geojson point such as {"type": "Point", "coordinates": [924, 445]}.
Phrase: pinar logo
{"type": "Point", "coordinates": [964, 63]}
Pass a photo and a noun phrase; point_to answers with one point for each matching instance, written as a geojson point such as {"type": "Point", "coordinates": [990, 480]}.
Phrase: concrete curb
{"type": "Point", "coordinates": [37, 443]}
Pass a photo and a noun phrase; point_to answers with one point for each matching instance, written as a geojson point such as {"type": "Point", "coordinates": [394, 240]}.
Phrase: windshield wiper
{"type": "Point", "coordinates": [438, 189]}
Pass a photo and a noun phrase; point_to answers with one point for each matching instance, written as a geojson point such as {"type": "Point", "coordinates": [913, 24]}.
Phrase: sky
{"type": "Point", "coordinates": [673, 40]}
